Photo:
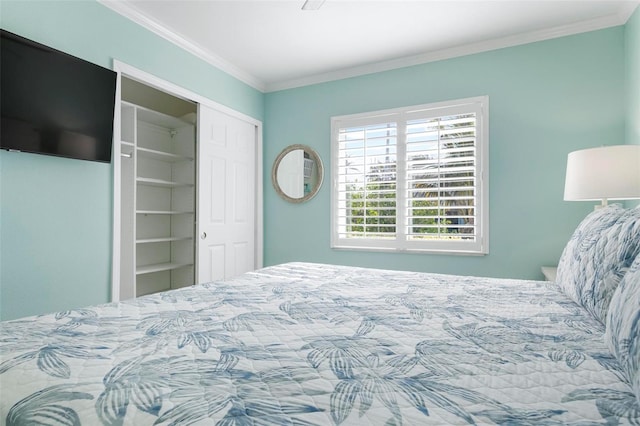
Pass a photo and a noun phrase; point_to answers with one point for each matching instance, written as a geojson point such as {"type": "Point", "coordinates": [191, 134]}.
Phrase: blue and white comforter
{"type": "Point", "coordinates": [311, 344]}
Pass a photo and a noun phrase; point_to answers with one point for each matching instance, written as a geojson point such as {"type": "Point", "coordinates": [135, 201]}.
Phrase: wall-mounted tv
{"type": "Point", "coordinates": [54, 103]}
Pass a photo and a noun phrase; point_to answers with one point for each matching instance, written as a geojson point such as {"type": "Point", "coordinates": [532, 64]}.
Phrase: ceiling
{"type": "Point", "coordinates": [274, 45]}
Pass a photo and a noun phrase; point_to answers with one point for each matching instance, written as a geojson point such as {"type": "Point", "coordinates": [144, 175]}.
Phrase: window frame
{"type": "Point", "coordinates": [478, 105]}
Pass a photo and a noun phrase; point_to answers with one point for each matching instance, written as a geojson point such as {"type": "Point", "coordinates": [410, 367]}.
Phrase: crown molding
{"type": "Point", "coordinates": [499, 43]}
{"type": "Point", "coordinates": [133, 14]}
{"type": "Point", "coordinates": [125, 9]}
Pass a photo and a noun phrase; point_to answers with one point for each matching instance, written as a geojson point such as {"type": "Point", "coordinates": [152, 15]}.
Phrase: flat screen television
{"type": "Point", "coordinates": [54, 103]}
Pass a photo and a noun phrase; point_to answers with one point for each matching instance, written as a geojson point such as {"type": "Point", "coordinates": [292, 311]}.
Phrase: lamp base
{"type": "Point", "coordinates": [604, 203]}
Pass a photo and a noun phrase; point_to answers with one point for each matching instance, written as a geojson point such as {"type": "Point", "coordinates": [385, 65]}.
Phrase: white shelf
{"type": "Point", "coordinates": [163, 212]}
{"type": "Point", "coordinates": [159, 119]}
{"type": "Point", "coordinates": [159, 267]}
{"type": "Point", "coordinates": [161, 155]}
{"type": "Point", "coordinates": [162, 240]}
{"type": "Point", "coordinates": [161, 183]}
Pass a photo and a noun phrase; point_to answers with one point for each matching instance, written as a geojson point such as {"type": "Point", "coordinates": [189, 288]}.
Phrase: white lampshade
{"type": "Point", "coordinates": [604, 173]}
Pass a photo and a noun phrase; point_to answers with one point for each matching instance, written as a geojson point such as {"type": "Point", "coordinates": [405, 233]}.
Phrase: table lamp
{"type": "Point", "coordinates": [602, 174]}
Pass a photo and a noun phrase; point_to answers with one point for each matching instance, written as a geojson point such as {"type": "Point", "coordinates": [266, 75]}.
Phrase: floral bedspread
{"type": "Point", "coordinates": [312, 344]}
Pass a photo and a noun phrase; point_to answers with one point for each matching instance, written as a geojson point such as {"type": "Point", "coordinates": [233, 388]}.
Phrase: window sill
{"type": "Point", "coordinates": [410, 251]}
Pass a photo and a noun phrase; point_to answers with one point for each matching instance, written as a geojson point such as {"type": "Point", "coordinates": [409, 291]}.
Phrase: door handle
{"type": "Point", "coordinates": [203, 236]}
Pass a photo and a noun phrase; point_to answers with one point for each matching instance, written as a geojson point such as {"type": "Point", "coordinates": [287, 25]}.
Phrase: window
{"type": "Point", "coordinates": [412, 179]}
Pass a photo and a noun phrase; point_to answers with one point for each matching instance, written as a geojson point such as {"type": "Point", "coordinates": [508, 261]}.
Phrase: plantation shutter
{"type": "Point", "coordinates": [367, 155]}
{"type": "Point", "coordinates": [441, 177]}
{"type": "Point", "coordinates": [412, 178]}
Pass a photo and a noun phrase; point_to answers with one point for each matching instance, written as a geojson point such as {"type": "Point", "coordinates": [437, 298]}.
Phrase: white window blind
{"type": "Point", "coordinates": [412, 178]}
{"type": "Point", "coordinates": [367, 181]}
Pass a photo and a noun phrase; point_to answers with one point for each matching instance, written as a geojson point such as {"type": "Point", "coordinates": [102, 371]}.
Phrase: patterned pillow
{"type": "Point", "coordinates": [623, 326]}
{"type": "Point", "coordinates": [598, 255]}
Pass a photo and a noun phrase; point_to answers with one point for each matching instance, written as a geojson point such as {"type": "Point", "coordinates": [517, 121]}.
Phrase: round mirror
{"type": "Point", "coordinates": [297, 173]}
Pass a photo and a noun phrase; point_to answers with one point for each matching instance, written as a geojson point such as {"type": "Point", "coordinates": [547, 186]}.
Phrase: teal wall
{"type": "Point", "coordinates": [546, 99]}
{"type": "Point", "coordinates": [632, 77]}
{"type": "Point", "coordinates": [632, 83]}
{"type": "Point", "coordinates": [56, 213]}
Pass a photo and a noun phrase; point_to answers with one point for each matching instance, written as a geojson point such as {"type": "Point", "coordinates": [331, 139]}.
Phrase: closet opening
{"type": "Point", "coordinates": [158, 199]}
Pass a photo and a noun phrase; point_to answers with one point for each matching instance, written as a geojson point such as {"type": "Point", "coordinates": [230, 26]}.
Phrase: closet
{"type": "Point", "coordinates": [187, 189]}
{"type": "Point", "coordinates": [158, 176]}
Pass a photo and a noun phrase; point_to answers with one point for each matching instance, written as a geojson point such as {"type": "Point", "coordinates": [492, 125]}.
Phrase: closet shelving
{"type": "Point", "coordinates": [158, 202]}
{"type": "Point", "coordinates": [160, 182]}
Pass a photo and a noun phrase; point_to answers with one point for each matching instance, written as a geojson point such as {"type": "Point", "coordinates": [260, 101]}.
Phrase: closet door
{"type": "Point", "coordinates": [226, 195]}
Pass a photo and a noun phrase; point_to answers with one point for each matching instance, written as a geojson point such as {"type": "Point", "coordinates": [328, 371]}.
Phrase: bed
{"type": "Point", "coordinates": [315, 344]}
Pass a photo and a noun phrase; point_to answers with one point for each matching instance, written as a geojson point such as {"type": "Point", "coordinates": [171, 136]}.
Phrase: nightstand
{"type": "Point", "coordinates": [549, 272]}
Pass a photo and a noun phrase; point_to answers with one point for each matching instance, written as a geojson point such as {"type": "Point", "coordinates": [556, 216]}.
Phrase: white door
{"type": "Point", "coordinates": [226, 195]}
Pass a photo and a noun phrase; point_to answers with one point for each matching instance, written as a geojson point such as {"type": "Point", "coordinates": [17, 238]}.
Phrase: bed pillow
{"type": "Point", "coordinates": [623, 325]}
{"type": "Point", "coordinates": [598, 255]}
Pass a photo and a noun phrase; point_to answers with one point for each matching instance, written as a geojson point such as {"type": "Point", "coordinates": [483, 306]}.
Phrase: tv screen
{"type": "Point", "coordinates": [54, 103]}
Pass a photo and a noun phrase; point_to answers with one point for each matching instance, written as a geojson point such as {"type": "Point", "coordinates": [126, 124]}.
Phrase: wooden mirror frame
{"type": "Point", "coordinates": [320, 170]}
